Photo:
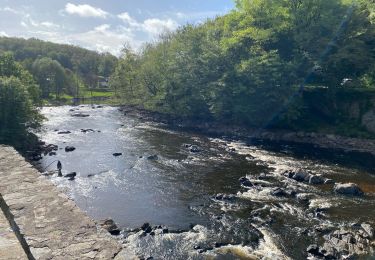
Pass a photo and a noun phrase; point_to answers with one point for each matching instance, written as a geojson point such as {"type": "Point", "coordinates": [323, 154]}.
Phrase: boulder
{"type": "Point", "coordinates": [146, 227]}
{"type": "Point", "coordinates": [71, 175]}
{"type": "Point", "coordinates": [223, 197]}
{"type": "Point", "coordinates": [64, 132]}
{"type": "Point", "coordinates": [278, 192]}
{"type": "Point", "coordinates": [80, 115]}
{"type": "Point", "coordinates": [316, 179]}
{"type": "Point", "coordinates": [69, 149]}
{"type": "Point", "coordinates": [245, 182]}
{"type": "Point", "coordinates": [300, 176]}
{"type": "Point", "coordinates": [314, 250]}
{"type": "Point", "coordinates": [195, 149]}
{"type": "Point", "coordinates": [368, 229]}
{"type": "Point", "coordinates": [87, 130]}
{"type": "Point", "coordinates": [348, 189]}
{"type": "Point", "coordinates": [153, 157]}
{"type": "Point", "coordinates": [110, 226]}
{"type": "Point", "coordinates": [329, 181]}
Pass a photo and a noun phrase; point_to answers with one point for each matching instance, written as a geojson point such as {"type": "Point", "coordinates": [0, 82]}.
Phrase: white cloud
{"type": "Point", "coordinates": [50, 25]}
{"type": "Point", "coordinates": [126, 18]}
{"type": "Point", "coordinates": [104, 38]}
{"type": "Point", "coordinates": [153, 26]}
{"type": "Point", "coordinates": [102, 28]}
{"type": "Point", "coordinates": [157, 26]}
{"type": "Point", "coordinates": [10, 10]}
{"type": "Point", "coordinates": [3, 34]}
{"type": "Point", "coordinates": [85, 10]}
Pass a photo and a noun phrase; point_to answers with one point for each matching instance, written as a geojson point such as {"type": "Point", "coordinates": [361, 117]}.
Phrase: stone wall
{"type": "Point", "coordinates": [47, 223]}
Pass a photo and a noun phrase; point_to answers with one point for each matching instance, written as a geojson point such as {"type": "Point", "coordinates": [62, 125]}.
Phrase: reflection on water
{"type": "Point", "coordinates": [177, 188]}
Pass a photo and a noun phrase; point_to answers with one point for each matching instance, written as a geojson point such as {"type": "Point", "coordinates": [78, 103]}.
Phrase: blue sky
{"type": "Point", "coordinates": [103, 25]}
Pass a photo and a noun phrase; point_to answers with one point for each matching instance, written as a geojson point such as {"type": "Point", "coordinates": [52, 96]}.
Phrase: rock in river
{"type": "Point", "coordinates": [70, 175]}
{"type": "Point", "coordinates": [110, 226]}
{"type": "Point", "coordinates": [245, 182]}
{"type": "Point", "coordinates": [348, 189]}
{"type": "Point", "coordinates": [300, 176]}
{"type": "Point", "coordinates": [64, 132]}
{"type": "Point", "coordinates": [153, 157]}
{"type": "Point", "coordinates": [80, 115]}
{"type": "Point", "coordinates": [195, 149]}
{"type": "Point", "coordinates": [69, 149]}
{"type": "Point", "coordinates": [316, 179]}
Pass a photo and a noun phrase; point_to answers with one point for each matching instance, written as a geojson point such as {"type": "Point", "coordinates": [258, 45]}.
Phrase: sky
{"type": "Point", "coordinates": [103, 25]}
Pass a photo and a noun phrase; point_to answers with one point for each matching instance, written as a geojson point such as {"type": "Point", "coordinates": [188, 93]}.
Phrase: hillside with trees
{"type": "Point", "coordinates": [254, 65]}
{"type": "Point", "coordinates": [58, 68]}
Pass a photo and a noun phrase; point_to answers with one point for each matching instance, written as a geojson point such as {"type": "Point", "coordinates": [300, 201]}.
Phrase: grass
{"type": "Point", "coordinates": [65, 99]}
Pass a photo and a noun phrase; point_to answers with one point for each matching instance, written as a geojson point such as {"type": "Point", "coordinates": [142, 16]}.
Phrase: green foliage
{"type": "Point", "coordinates": [246, 67]}
{"type": "Point", "coordinates": [19, 96]}
{"type": "Point", "coordinates": [50, 76]}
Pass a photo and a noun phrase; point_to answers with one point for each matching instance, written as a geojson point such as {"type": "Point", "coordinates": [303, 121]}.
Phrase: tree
{"type": "Point", "coordinates": [18, 100]}
{"type": "Point", "coordinates": [50, 76]}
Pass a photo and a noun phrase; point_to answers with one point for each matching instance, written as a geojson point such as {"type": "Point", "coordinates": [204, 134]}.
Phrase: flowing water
{"type": "Point", "coordinates": [179, 188]}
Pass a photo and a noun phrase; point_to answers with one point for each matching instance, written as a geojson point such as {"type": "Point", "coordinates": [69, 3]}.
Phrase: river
{"type": "Point", "coordinates": [179, 189]}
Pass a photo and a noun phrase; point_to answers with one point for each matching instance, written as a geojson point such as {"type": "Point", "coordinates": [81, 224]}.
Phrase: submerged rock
{"type": "Point", "coordinates": [348, 189]}
{"type": "Point", "coordinates": [278, 192]}
{"type": "Point", "coordinates": [80, 115]}
{"type": "Point", "coordinates": [301, 176]}
{"type": "Point", "coordinates": [316, 180]}
{"type": "Point", "coordinates": [71, 175]}
{"type": "Point", "coordinates": [226, 197]}
{"type": "Point", "coordinates": [87, 130]}
{"type": "Point", "coordinates": [153, 157]}
{"type": "Point", "coordinates": [69, 149]}
{"type": "Point", "coordinates": [146, 227]}
{"type": "Point", "coordinates": [245, 182]}
{"type": "Point", "coordinates": [64, 132]}
{"type": "Point", "coordinates": [329, 181]}
{"type": "Point", "coordinates": [195, 149]}
{"type": "Point", "coordinates": [314, 250]}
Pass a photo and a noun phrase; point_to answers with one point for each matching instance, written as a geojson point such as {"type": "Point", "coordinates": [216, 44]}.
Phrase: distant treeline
{"type": "Point", "coordinates": [251, 66]}
{"type": "Point", "coordinates": [59, 68]}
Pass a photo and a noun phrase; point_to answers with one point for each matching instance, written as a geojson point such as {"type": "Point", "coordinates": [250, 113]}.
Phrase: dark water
{"type": "Point", "coordinates": [178, 189]}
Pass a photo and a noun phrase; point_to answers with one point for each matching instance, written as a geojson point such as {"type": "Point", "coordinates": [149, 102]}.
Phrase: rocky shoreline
{"type": "Point", "coordinates": [211, 128]}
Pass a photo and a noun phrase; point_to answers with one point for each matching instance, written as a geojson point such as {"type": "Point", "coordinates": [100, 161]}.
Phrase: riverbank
{"type": "Point", "coordinates": [320, 140]}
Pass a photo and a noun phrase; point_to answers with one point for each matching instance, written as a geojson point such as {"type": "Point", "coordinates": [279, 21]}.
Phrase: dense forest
{"type": "Point", "coordinates": [59, 68]}
{"type": "Point", "coordinates": [253, 65]}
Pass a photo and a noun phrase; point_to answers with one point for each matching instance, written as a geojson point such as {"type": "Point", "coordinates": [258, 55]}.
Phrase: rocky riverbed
{"type": "Point", "coordinates": [181, 195]}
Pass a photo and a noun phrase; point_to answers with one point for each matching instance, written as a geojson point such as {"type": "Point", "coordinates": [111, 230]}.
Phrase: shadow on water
{"type": "Point", "coordinates": [349, 159]}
